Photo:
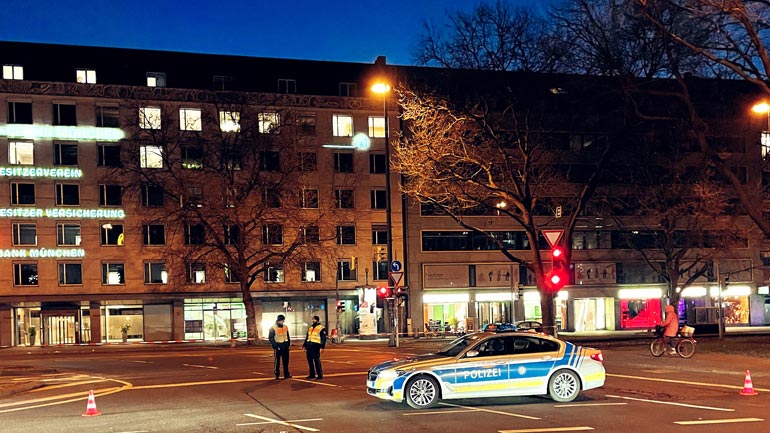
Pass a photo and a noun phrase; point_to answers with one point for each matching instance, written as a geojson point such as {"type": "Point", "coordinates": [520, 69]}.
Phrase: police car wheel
{"type": "Point", "coordinates": [564, 386]}
{"type": "Point", "coordinates": [422, 392]}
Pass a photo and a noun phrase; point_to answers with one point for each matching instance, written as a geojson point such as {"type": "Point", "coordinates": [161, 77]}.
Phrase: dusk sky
{"type": "Point", "coordinates": [341, 30]}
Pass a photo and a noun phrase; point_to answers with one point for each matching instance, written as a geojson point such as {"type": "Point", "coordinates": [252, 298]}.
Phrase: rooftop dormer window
{"type": "Point", "coordinates": [87, 76]}
{"type": "Point", "coordinates": [156, 79]}
{"type": "Point", "coordinates": [13, 72]}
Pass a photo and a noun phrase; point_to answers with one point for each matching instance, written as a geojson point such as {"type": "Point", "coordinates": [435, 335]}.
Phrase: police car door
{"type": "Point", "coordinates": [531, 362]}
{"type": "Point", "coordinates": [483, 370]}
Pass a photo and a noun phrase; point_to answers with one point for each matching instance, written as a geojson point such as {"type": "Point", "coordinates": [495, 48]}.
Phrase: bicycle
{"type": "Point", "coordinates": [684, 343]}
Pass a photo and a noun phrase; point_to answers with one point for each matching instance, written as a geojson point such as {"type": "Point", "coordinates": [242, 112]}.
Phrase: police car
{"type": "Point", "coordinates": [489, 364]}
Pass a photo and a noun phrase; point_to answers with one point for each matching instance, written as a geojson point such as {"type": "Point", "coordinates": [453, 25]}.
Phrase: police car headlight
{"type": "Point", "coordinates": [391, 374]}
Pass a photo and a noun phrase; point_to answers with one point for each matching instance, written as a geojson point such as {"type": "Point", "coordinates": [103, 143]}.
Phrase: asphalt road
{"type": "Point", "coordinates": [222, 389]}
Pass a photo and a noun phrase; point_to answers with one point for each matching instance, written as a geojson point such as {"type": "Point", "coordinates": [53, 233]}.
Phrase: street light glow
{"type": "Point", "coordinates": [381, 88]}
{"type": "Point", "coordinates": [761, 108]}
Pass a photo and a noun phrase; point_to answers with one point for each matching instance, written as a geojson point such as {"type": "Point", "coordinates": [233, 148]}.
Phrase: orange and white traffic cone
{"type": "Point", "coordinates": [91, 406]}
{"type": "Point", "coordinates": [748, 387]}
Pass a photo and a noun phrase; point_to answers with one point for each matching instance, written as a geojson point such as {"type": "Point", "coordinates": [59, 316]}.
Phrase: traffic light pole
{"type": "Point", "coordinates": [337, 303]}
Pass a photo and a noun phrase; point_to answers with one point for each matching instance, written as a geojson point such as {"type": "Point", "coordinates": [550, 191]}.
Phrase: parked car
{"type": "Point", "coordinates": [497, 327]}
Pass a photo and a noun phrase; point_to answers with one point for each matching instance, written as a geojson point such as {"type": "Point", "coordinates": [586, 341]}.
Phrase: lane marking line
{"type": "Point", "coordinates": [491, 411]}
{"type": "Point", "coordinates": [718, 421]}
{"type": "Point", "coordinates": [440, 412]}
{"type": "Point", "coordinates": [200, 366]}
{"type": "Point", "coordinates": [270, 422]}
{"type": "Point", "coordinates": [276, 421]}
{"type": "Point", "coordinates": [314, 382]}
{"type": "Point", "coordinates": [65, 385]}
{"type": "Point", "coordinates": [670, 403]}
{"type": "Point", "coordinates": [684, 382]}
{"type": "Point", "coordinates": [590, 404]}
{"type": "Point", "coordinates": [538, 430]}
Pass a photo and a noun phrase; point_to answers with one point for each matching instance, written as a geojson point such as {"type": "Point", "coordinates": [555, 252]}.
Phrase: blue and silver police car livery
{"type": "Point", "coordinates": [490, 365]}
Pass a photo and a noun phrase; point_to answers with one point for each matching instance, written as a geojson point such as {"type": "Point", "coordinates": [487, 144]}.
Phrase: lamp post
{"type": "Point", "coordinates": [764, 108]}
{"type": "Point", "coordinates": [384, 89]}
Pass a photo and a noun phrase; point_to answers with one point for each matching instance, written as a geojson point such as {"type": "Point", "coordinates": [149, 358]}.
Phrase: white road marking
{"type": "Point", "coordinates": [270, 422]}
{"type": "Point", "coordinates": [314, 382]}
{"type": "Point", "coordinates": [718, 421]}
{"type": "Point", "coordinates": [439, 412]}
{"type": "Point", "coordinates": [684, 382]}
{"type": "Point", "coordinates": [201, 366]}
{"type": "Point", "coordinates": [672, 403]}
{"type": "Point", "coordinates": [286, 423]}
{"type": "Point", "coordinates": [553, 429]}
{"type": "Point", "coordinates": [491, 411]}
{"type": "Point", "coordinates": [590, 404]}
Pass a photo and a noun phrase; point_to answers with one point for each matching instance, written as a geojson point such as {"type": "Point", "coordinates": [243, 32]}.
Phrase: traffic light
{"type": "Point", "coordinates": [559, 276]}
{"type": "Point", "coordinates": [383, 292]}
{"type": "Point", "coordinates": [353, 263]}
{"type": "Point", "coordinates": [340, 307]}
{"type": "Point", "coordinates": [401, 294]}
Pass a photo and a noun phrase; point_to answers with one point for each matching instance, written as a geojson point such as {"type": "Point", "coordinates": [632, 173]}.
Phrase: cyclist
{"type": "Point", "coordinates": [670, 327]}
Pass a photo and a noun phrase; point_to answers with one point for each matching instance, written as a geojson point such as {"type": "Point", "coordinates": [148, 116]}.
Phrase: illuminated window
{"type": "Point", "coordinates": [377, 126]}
{"type": "Point", "coordinates": [379, 199]}
{"type": "Point", "coordinates": [113, 273]}
{"type": "Point", "coordinates": [272, 234]}
{"type": "Point", "coordinates": [377, 163]}
{"type": "Point", "coordinates": [342, 125]}
{"type": "Point", "coordinates": [230, 121]}
{"type": "Point", "coordinates": [194, 234]}
{"type": "Point", "coordinates": [21, 153]}
{"type": "Point", "coordinates": [149, 117]}
{"type": "Point", "coordinates": [22, 193]}
{"type": "Point", "coordinates": [87, 76]}
{"type": "Point", "coordinates": [152, 196]}
{"type": "Point", "coordinates": [20, 112]}
{"type": "Point", "coordinates": [311, 271]}
{"type": "Point", "coordinates": [287, 85]}
{"type": "Point", "coordinates": [155, 273]}
{"type": "Point", "coordinates": [190, 119]}
{"type": "Point", "coordinates": [274, 273]}
{"type": "Point", "coordinates": [308, 198]}
{"type": "Point", "coordinates": [70, 273]}
{"type": "Point", "coordinates": [108, 155]}
{"type": "Point", "coordinates": [112, 234]}
{"type": "Point", "coordinates": [343, 162]}
{"type": "Point", "coordinates": [107, 116]}
{"type": "Point", "coordinates": [192, 157]}
{"type": "Point", "coordinates": [346, 235]}
{"type": "Point", "coordinates": [13, 72]}
{"type": "Point", "coordinates": [63, 114]}
{"type": "Point", "coordinates": [151, 157]}
{"type": "Point", "coordinates": [24, 234]}
{"type": "Point", "coordinates": [65, 154]}
{"type": "Point", "coordinates": [67, 234]}
{"type": "Point", "coordinates": [349, 89]}
{"type": "Point", "coordinates": [110, 195]}
{"type": "Point", "coordinates": [25, 274]}
{"type": "Point", "coordinates": [154, 234]}
{"type": "Point", "coordinates": [196, 273]}
{"type": "Point", "coordinates": [156, 79]}
{"type": "Point", "coordinates": [268, 122]}
{"type": "Point", "coordinates": [311, 234]}
{"type": "Point", "coordinates": [344, 198]}
{"type": "Point", "coordinates": [67, 194]}
{"type": "Point", "coordinates": [230, 275]}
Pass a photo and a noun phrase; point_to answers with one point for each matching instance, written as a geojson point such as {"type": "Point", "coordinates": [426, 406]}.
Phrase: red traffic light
{"type": "Point", "coordinates": [557, 252]}
{"type": "Point", "coordinates": [383, 291]}
{"type": "Point", "coordinates": [556, 280]}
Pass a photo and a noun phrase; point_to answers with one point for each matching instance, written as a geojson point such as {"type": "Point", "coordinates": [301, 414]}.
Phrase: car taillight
{"type": "Point", "coordinates": [597, 357]}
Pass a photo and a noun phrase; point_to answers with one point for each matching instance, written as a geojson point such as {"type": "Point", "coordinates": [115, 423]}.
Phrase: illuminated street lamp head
{"type": "Point", "coordinates": [761, 108]}
{"type": "Point", "coordinates": [381, 88]}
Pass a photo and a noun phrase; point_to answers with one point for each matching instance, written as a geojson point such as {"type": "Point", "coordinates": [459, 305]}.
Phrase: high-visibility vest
{"type": "Point", "coordinates": [281, 333]}
{"type": "Point", "coordinates": [314, 334]}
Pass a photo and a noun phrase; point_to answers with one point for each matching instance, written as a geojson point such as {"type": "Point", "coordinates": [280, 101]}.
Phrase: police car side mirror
{"type": "Point", "coordinates": [471, 353]}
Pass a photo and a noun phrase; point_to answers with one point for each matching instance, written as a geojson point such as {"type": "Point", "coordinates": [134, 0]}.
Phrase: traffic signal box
{"type": "Point", "coordinates": [383, 292]}
{"type": "Point", "coordinates": [559, 275]}
{"type": "Point", "coordinates": [340, 307]}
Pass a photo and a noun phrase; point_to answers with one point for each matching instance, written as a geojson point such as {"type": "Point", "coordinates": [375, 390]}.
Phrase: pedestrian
{"type": "Point", "coordinates": [279, 339]}
{"type": "Point", "coordinates": [314, 344]}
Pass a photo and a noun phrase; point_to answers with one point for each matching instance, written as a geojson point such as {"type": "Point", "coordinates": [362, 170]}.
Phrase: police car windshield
{"type": "Point", "coordinates": [455, 347]}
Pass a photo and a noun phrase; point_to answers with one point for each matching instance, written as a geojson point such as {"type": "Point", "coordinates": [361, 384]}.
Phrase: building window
{"type": "Point", "coordinates": [379, 235]}
{"type": "Point", "coordinates": [64, 114]}
{"type": "Point", "coordinates": [112, 234]}
{"type": "Point", "coordinates": [149, 117]}
{"type": "Point", "coordinates": [269, 160]}
{"type": "Point", "coordinates": [192, 157]}
{"type": "Point", "coordinates": [349, 89]}
{"type": "Point", "coordinates": [343, 162]}
{"type": "Point", "coordinates": [196, 273]}
{"type": "Point", "coordinates": [230, 121]}
{"type": "Point", "coordinates": [152, 196]}
{"type": "Point", "coordinates": [221, 81]}
{"type": "Point", "coordinates": [22, 193]}
{"type": "Point", "coordinates": [108, 155]}
{"type": "Point", "coordinates": [65, 154]}
{"type": "Point", "coordinates": [272, 234]}
{"type": "Point", "coordinates": [342, 125]}
{"type": "Point", "coordinates": [308, 198]}
{"type": "Point", "coordinates": [68, 234]}
{"type": "Point", "coordinates": [21, 153]}
{"type": "Point", "coordinates": [67, 194]}
{"type": "Point", "coordinates": [274, 273]}
{"type": "Point", "coordinates": [344, 198]}
{"type": "Point", "coordinates": [194, 196]}
{"type": "Point", "coordinates": [190, 119]}
{"type": "Point", "coordinates": [380, 269]}
{"type": "Point", "coordinates": [156, 79]}
{"type": "Point", "coordinates": [107, 116]}
{"type": "Point", "coordinates": [286, 85]}
{"type": "Point", "coordinates": [194, 234]}
{"type": "Point", "coordinates": [271, 197]}
{"type": "Point", "coordinates": [154, 234]}
{"type": "Point", "coordinates": [346, 235]}
{"type": "Point", "coordinates": [377, 126]}
{"type": "Point", "coordinates": [13, 72]}
{"type": "Point", "coordinates": [308, 161]}
{"type": "Point", "coordinates": [24, 234]}
{"type": "Point", "coordinates": [268, 122]}
{"type": "Point", "coordinates": [151, 156]}
{"type": "Point", "coordinates": [87, 76]}
{"type": "Point", "coordinates": [379, 199]}
{"type": "Point", "coordinates": [377, 163]}
{"type": "Point", "coordinates": [231, 234]}
{"type": "Point", "coordinates": [70, 273]}
{"type": "Point", "coordinates": [25, 274]}
{"type": "Point", "coordinates": [311, 234]}
{"type": "Point", "coordinates": [155, 273]}
{"type": "Point", "coordinates": [20, 112]}
{"type": "Point", "coordinates": [306, 124]}
{"type": "Point", "coordinates": [311, 271]}
{"type": "Point", "coordinates": [110, 195]}
{"type": "Point", "coordinates": [230, 275]}
{"type": "Point", "coordinates": [344, 271]}
{"type": "Point", "coordinates": [113, 274]}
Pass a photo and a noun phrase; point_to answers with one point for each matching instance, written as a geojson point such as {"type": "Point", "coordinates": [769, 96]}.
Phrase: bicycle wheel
{"type": "Point", "coordinates": [657, 347]}
{"type": "Point", "coordinates": [685, 348]}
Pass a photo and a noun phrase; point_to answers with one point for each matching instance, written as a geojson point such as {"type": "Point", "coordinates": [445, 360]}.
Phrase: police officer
{"type": "Point", "coordinates": [314, 343]}
{"type": "Point", "coordinates": [279, 339]}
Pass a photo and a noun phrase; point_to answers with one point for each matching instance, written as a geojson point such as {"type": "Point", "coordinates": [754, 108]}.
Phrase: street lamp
{"type": "Point", "coordinates": [383, 89]}
{"type": "Point", "coordinates": [764, 108]}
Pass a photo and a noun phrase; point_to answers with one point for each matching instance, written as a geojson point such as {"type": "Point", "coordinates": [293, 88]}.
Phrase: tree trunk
{"type": "Point", "coordinates": [252, 331]}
